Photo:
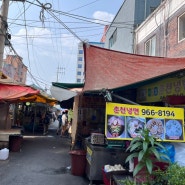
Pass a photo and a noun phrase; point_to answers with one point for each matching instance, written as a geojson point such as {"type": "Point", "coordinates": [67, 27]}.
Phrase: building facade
{"type": "Point", "coordinates": [120, 34]}
{"type": "Point", "coordinates": [14, 68]}
{"type": "Point", "coordinates": [163, 32]}
{"type": "Point", "coordinates": [80, 61]}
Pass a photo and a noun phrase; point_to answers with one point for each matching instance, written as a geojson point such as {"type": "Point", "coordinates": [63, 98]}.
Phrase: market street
{"type": "Point", "coordinates": [43, 160]}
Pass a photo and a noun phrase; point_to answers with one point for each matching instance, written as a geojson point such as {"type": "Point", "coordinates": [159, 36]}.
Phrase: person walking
{"type": "Point", "coordinates": [59, 118]}
{"type": "Point", "coordinates": [64, 123]}
{"type": "Point", "coordinates": [46, 121]}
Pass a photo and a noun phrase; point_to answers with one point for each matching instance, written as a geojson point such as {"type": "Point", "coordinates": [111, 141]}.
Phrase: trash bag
{"type": "Point", "coordinates": [4, 153]}
{"type": "Point", "coordinates": [169, 151]}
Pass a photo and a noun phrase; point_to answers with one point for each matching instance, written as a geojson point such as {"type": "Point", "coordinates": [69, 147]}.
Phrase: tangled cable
{"type": "Point", "coordinates": [45, 6]}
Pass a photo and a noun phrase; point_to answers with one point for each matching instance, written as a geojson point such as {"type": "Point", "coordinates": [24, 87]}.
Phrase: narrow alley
{"type": "Point", "coordinates": [43, 160]}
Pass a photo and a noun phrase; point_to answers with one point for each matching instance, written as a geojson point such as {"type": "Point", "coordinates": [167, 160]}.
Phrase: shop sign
{"type": "Point", "coordinates": [124, 122]}
{"type": "Point", "coordinates": [158, 91]}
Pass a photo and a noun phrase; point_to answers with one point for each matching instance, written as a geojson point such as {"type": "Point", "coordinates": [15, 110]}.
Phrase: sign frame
{"type": "Point", "coordinates": [124, 121]}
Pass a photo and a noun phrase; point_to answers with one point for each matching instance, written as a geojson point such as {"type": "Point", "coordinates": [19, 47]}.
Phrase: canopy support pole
{"type": "Point", "coordinates": [125, 99]}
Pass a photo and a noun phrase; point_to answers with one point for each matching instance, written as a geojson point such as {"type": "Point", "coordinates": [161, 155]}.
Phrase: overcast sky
{"type": "Point", "coordinates": [44, 40]}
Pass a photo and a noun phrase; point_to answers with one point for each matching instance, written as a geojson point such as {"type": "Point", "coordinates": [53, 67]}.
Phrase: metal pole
{"type": "Point", "coordinates": [34, 119]}
{"type": "Point", "coordinates": [125, 99]}
{"type": "Point", "coordinates": [3, 28]}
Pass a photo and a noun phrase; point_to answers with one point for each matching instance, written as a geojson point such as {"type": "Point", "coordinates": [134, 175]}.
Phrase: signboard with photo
{"type": "Point", "coordinates": [124, 122]}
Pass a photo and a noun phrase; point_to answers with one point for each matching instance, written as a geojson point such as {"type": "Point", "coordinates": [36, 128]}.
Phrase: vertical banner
{"type": "Point", "coordinates": [124, 122]}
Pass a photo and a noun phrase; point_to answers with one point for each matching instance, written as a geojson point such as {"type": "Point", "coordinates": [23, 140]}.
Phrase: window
{"type": "Point", "coordinates": [80, 52]}
{"type": "Point", "coordinates": [79, 65]}
{"type": "Point", "coordinates": [78, 80]}
{"type": "Point", "coordinates": [79, 58]}
{"type": "Point", "coordinates": [150, 46]}
{"type": "Point", "coordinates": [79, 73]}
{"type": "Point", "coordinates": [181, 27]}
{"type": "Point", "coordinates": [113, 39]}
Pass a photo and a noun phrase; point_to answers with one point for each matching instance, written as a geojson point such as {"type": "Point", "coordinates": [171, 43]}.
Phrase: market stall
{"type": "Point", "coordinates": [13, 99]}
{"type": "Point", "coordinates": [110, 73]}
{"type": "Point", "coordinates": [5, 134]}
{"type": "Point", "coordinates": [100, 155]}
{"type": "Point", "coordinates": [123, 75]}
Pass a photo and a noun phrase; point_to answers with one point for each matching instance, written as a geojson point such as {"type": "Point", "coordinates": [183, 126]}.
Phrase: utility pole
{"type": "Point", "coordinates": [60, 70]}
{"type": "Point", "coordinates": [3, 28]}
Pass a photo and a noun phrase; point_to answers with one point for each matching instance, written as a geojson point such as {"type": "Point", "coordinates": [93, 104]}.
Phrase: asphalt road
{"type": "Point", "coordinates": [43, 160]}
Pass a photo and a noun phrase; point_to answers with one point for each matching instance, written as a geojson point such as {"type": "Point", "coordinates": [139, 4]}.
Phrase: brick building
{"type": "Point", "coordinates": [14, 68]}
{"type": "Point", "coordinates": [163, 32]}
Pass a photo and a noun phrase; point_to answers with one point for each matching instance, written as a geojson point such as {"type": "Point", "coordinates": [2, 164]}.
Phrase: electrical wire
{"type": "Point", "coordinates": [85, 19]}
{"type": "Point", "coordinates": [72, 22]}
{"type": "Point", "coordinates": [26, 37]}
{"type": "Point", "coordinates": [91, 20]}
{"type": "Point", "coordinates": [51, 13]}
{"type": "Point", "coordinates": [83, 6]}
{"type": "Point", "coordinates": [32, 77]}
{"type": "Point", "coordinates": [22, 12]}
{"type": "Point", "coordinates": [77, 28]}
{"type": "Point", "coordinates": [84, 27]}
{"type": "Point", "coordinates": [62, 23]}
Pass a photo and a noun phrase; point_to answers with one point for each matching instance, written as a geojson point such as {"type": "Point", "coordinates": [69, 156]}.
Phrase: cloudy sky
{"type": "Point", "coordinates": [47, 40]}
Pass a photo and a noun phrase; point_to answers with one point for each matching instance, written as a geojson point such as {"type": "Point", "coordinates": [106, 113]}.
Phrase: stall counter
{"type": "Point", "coordinates": [4, 134]}
{"type": "Point", "coordinates": [98, 156]}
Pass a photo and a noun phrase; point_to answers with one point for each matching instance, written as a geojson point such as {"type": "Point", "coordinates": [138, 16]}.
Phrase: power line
{"type": "Point", "coordinates": [84, 27]}
{"type": "Point", "coordinates": [36, 81]}
{"type": "Point", "coordinates": [83, 6]}
{"type": "Point", "coordinates": [76, 28]}
{"type": "Point", "coordinates": [72, 22]}
{"type": "Point", "coordinates": [26, 38]}
{"type": "Point", "coordinates": [52, 14]}
{"type": "Point", "coordinates": [23, 11]}
{"type": "Point", "coordinates": [63, 24]}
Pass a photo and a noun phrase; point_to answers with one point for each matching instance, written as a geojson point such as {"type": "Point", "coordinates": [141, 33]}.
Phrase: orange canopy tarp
{"type": "Point", "coordinates": [39, 98]}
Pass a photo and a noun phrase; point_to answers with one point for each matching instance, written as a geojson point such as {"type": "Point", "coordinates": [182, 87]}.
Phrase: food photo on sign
{"type": "Point", "coordinates": [156, 127]}
{"type": "Point", "coordinates": [134, 126]}
{"type": "Point", "coordinates": [174, 129]}
{"type": "Point", "coordinates": [115, 126]}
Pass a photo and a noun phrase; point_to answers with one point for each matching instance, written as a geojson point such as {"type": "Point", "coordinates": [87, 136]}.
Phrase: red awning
{"type": "Point", "coordinates": [112, 69]}
{"type": "Point", "coordinates": [13, 92]}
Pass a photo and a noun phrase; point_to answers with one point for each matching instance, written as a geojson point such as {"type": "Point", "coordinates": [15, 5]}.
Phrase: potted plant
{"type": "Point", "coordinates": [144, 151]}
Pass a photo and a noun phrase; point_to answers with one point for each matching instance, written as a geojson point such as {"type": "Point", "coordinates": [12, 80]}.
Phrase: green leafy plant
{"type": "Point", "coordinates": [176, 175]}
{"type": "Point", "coordinates": [173, 175]}
{"type": "Point", "coordinates": [130, 182]}
{"type": "Point", "coordinates": [127, 182]}
{"type": "Point", "coordinates": [145, 149]}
